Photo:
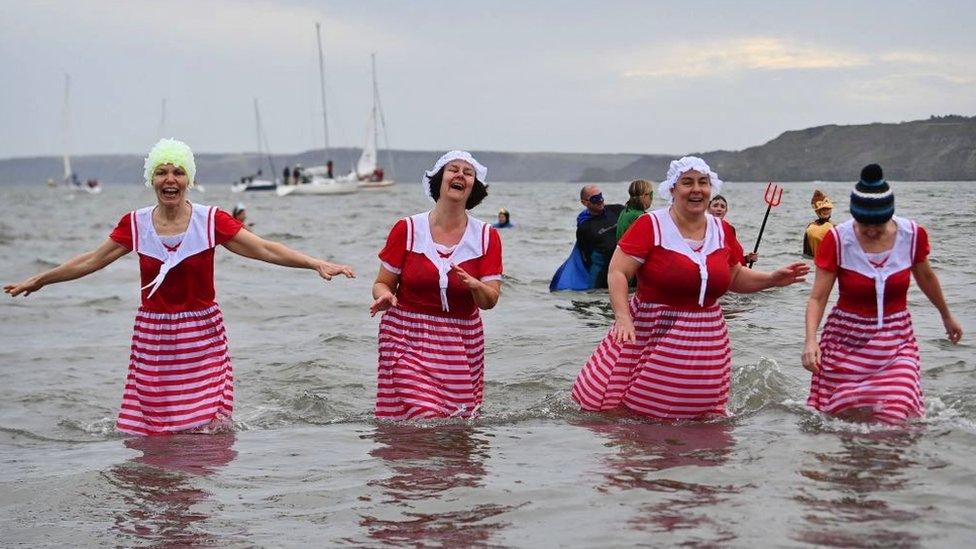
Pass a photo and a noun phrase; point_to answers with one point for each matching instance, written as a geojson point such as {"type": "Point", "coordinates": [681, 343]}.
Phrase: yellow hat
{"type": "Point", "coordinates": [820, 201]}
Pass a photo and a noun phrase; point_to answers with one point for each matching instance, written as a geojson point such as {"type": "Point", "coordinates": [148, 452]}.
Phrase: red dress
{"type": "Point", "coordinates": [679, 365]}
{"type": "Point", "coordinates": [431, 345]}
{"type": "Point", "coordinates": [180, 375]}
{"type": "Point", "coordinates": [869, 356]}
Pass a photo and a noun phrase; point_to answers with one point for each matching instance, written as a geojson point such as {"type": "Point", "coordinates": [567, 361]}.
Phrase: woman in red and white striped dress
{"type": "Point", "coordinates": [180, 376]}
{"type": "Point", "coordinates": [866, 364]}
{"type": "Point", "coordinates": [667, 355]}
{"type": "Point", "coordinates": [437, 269]}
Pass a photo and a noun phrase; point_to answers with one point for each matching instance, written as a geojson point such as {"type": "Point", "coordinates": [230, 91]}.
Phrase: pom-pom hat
{"type": "Point", "coordinates": [872, 201]}
{"type": "Point", "coordinates": [170, 151]}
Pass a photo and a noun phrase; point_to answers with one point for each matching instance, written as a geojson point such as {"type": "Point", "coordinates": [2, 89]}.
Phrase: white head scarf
{"type": "Point", "coordinates": [480, 172]}
{"type": "Point", "coordinates": [683, 165]}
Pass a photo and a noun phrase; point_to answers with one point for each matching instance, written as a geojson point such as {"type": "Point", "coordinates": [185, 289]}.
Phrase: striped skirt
{"type": "Point", "coordinates": [868, 369]}
{"type": "Point", "coordinates": [180, 376]}
{"type": "Point", "coordinates": [429, 366]}
{"type": "Point", "coordinates": [679, 366]}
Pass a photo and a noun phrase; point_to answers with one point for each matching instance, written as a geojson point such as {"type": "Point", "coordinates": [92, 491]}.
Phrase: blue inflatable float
{"type": "Point", "coordinates": [572, 274]}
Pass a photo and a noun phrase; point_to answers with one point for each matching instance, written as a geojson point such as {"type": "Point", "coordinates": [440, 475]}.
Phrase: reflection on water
{"type": "Point", "coordinates": [846, 501]}
{"type": "Point", "coordinates": [161, 504]}
{"type": "Point", "coordinates": [429, 465]}
{"type": "Point", "coordinates": [655, 457]}
{"type": "Point", "coordinates": [596, 313]}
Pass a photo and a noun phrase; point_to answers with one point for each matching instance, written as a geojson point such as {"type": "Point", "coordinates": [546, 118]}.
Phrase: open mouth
{"type": "Point", "coordinates": [457, 185]}
{"type": "Point", "coordinates": [170, 192]}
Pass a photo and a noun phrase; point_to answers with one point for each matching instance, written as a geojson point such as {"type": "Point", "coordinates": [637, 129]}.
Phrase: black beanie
{"type": "Point", "coordinates": [872, 202]}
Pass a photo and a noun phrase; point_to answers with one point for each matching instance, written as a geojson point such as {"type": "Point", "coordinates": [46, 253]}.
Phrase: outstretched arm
{"type": "Point", "coordinates": [930, 286]}
{"type": "Point", "coordinates": [747, 281]}
{"type": "Point", "coordinates": [823, 283]}
{"type": "Point", "coordinates": [76, 267]}
{"type": "Point", "coordinates": [250, 245]}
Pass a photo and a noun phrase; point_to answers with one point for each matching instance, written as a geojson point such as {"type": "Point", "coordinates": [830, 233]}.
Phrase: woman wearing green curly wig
{"type": "Point", "coordinates": [180, 376]}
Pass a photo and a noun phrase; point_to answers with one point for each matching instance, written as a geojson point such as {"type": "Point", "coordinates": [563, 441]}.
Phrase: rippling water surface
{"type": "Point", "coordinates": [307, 464]}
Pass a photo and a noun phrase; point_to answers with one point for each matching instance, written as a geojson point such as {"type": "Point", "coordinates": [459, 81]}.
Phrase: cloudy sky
{"type": "Point", "coordinates": [601, 76]}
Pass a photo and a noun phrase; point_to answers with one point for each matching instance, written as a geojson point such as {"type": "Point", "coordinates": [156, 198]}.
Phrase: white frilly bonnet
{"type": "Point", "coordinates": [481, 172]}
{"type": "Point", "coordinates": [683, 165]}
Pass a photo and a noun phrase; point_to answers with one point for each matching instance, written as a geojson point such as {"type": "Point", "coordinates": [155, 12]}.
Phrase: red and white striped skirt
{"type": "Point", "coordinates": [867, 368]}
{"type": "Point", "coordinates": [429, 366]}
{"type": "Point", "coordinates": [679, 366]}
{"type": "Point", "coordinates": [180, 376]}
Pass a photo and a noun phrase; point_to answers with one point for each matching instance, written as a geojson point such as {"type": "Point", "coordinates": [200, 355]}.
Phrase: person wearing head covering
{"type": "Point", "coordinates": [667, 355]}
{"type": "Point", "coordinates": [641, 195]}
{"type": "Point", "coordinates": [437, 270]}
{"type": "Point", "coordinates": [240, 214]}
{"type": "Point", "coordinates": [719, 207]}
{"type": "Point", "coordinates": [818, 228]}
{"type": "Point", "coordinates": [180, 376]}
{"type": "Point", "coordinates": [866, 363]}
{"type": "Point", "coordinates": [504, 220]}
{"type": "Point", "coordinates": [596, 234]}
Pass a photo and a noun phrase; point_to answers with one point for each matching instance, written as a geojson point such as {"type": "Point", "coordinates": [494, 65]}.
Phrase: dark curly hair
{"type": "Point", "coordinates": [478, 193]}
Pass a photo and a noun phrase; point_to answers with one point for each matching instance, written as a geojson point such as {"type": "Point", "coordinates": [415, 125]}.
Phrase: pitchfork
{"type": "Point", "coordinates": [773, 196]}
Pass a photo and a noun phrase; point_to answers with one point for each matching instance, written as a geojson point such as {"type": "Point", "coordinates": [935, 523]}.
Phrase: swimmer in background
{"type": "Point", "coordinates": [718, 207]}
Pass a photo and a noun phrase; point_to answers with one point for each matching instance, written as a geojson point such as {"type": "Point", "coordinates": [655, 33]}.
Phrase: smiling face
{"type": "Point", "coordinates": [718, 208]}
{"type": "Point", "coordinates": [458, 181]}
{"type": "Point", "coordinates": [691, 192]}
{"type": "Point", "coordinates": [170, 183]}
{"type": "Point", "coordinates": [824, 213]}
{"type": "Point", "coordinates": [592, 198]}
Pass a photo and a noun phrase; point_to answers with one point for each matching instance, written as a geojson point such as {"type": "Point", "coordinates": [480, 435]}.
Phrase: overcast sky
{"type": "Point", "coordinates": [602, 76]}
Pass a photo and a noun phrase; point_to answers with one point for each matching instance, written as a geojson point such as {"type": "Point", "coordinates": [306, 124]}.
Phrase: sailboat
{"type": "Point", "coordinates": [319, 179]}
{"type": "Point", "coordinates": [255, 182]}
{"type": "Point", "coordinates": [71, 181]}
{"type": "Point", "coordinates": [368, 171]}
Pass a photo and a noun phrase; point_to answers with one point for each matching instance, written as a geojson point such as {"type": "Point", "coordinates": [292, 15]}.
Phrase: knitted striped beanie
{"type": "Point", "coordinates": [872, 202]}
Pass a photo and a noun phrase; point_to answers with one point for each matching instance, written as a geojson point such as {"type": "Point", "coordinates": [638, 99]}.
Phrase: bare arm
{"type": "Point", "coordinates": [76, 267]}
{"type": "Point", "coordinates": [384, 291]}
{"type": "Point", "coordinates": [928, 282]}
{"type": "Point", "coordinates": [485, 294]}
{"type": "Point", "coordinates": [747, 281]}
{"type": "Point", "coordinates": [252, 246]}
{"type": "Point", "coordinates": [622, 268]}
{"type": "Point", "coordinates": [823, 283]}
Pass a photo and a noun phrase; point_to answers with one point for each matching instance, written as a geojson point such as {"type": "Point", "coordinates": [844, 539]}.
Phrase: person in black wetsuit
{"type": "Point", "coordinates": [596, 233]}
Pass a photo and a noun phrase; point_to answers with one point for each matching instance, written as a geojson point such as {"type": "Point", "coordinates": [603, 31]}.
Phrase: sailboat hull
{"type": "Point", "coordinates": [320, 186]}
{"type": "Point", "coordinates": [376, 184]}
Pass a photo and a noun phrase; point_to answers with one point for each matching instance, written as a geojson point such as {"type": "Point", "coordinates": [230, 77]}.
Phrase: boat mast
{"type": "Point", "coordinates": [66, 129]}
{"type": "Point", "coordinates": [325, 120]}
{"type": "Point", "coordinates": [263, 141]}
{"type": "Point", "coordinates": [378, 107]}
{"type": "Point", "coordinates": [162, 121]}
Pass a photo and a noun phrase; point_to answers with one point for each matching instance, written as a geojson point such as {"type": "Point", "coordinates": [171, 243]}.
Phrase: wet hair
{"type": "Point", "coordinates": [719, 197]}
{"type": "Point", "coordinates": [637, 189]}
{"type": "Point", "coordinates": [478, 193]}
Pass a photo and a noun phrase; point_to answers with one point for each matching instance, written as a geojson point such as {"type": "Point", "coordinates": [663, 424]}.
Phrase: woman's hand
{"type": "Point", "coordinates": [623, 330]}
{"type": "Point", "coordinates": [811, 356]}
{"type": "Point", "coordinates": [327, 270]}
{"type": "Point", "coordinates": [26, 287]}
{"type": "Point", "coordinates": [469, 281]}
{"type": "Point", "coordinates": [751, 257]}
{"type": "Point", "coordinates": [790, 274]}
{"type": "Point", "coordinates": [953, 328]}
{"type": "Point", "coordinates": [382, 303]}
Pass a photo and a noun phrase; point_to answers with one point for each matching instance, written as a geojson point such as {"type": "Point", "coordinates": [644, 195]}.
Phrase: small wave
{"type": "Point", "coordinates": [759, 385]}
{"type": "Point", "coordinates": [283, 236]}
{"type": "Point", "coordinates": [44, 263]}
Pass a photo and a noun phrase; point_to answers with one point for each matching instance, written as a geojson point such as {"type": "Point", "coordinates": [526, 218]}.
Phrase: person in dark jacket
{"type": "Point", "coordinates": [596, 233]}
